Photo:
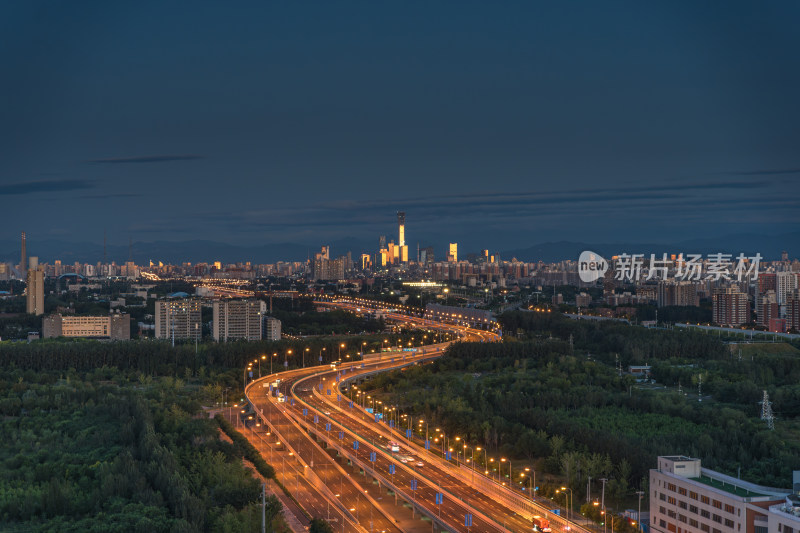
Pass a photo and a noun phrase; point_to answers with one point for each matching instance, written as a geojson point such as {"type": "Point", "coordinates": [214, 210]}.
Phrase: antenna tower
{"type": "Point", "coordinates": [766, 411]}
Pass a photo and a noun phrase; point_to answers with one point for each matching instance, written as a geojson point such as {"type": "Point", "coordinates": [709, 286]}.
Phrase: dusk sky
{"type": "Point", "coordinates": [494, 124]}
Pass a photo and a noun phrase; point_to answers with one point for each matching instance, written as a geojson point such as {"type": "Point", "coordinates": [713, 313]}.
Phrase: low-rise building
{"type": "Point", "coordinates": [115, 326]}
{"type": "Point", "coordinates": [686, 498]}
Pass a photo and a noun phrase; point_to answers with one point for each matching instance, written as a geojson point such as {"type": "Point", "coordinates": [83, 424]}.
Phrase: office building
{"type": "Point", "coordinates": [34, 303]}
{"type": "Point", "coordinates": [178, 319]}
{"type": "Point", "coordinates": [686, 498]}
{"type": "Point", "coordinates": [730, 307]}
{"type": "Point", "coordinates": [238, 320]}
{"type": "Point", "coordinates": [272, 329]}
{"type": "Point", "coordinates": [452, 254]}
{"type": "Point", "coordinates": [115, 326]}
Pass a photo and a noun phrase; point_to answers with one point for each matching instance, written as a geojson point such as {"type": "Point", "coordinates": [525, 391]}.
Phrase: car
{"type": "Point", "coordinates": [403, 460]}
{"type": "Point", "coordinates": [420, 463]}
{"type": "Point", "coordinates": [327, 413]}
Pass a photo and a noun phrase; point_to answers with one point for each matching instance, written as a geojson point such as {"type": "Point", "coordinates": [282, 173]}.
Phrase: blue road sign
{"type": "Point", "coordinates": [408, 433]}
{"type": "Point", "coordinates": [327, 426]}
{"type": "Point", "coordinates": [341, 435]}
{"type": "Point", "coordinates": [355, 445]}
{"type": "Point", "coordinates": [377, 417]}
{"type": "Point", "coordinates": [320, 387]}
{"type": "Point", "coordinates": [391, 469]}
{"type": "Point", "coordinates": [305, 411]}
{"type": "Point", "coordinates": [448, 455]}
{"type": "Point", "coordinates": [468, 520]}
{"type": "Point", "coordinates": [391, 423]}
{"type": "Point", "coordinates": [427, 445]}
{"type": "Point", "coordinates": [439, 498]}
{"type": "Point", "coordinates": [316, 419]}
{"type": "Point", "coordinates": [373, 456]}
{"type": "Point", "coordinates": [351, 404]}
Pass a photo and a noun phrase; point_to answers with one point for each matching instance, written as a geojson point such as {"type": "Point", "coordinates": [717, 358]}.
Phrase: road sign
{"type": "Point", "coordinates": [391, 469]}
{"type": "Point", "coordinates": [316, 419]}
{"type": "Point", "coordinates": [377, 417]}
{"type": "Point", "coordinates": [408, 433]}
{"type": "Point", "coordinates": [329, 392]}
{"type": "Point", "coordinates": [468, 520]}
{"type": "Point", "coordinates": [439, 498]}
{"type": "Point", "coordinates": [327, 426]}
{"type": "Point", "coordinates": [341, 435]}
{"type": "Point", "coordinates": [355, 445]}
{"type": "Point", "coordinates": [320, 387]}
{"type": "Point", "coordinates": [351, 404]}
{"type": "Point", "coordinates": [448, 455]}
{"type": "Point", "coordinates": [427, 445]}
{"type": "Point", "coordinates": [391, 423]}
{"type": "Point", "coordinates": [413, 484]}
{"type": "Point", "coordinates": [305, 411]}
{"type": "Point", "coordinates": [251, 373]}
{"type": "Point", "coordinates": [373, 456]}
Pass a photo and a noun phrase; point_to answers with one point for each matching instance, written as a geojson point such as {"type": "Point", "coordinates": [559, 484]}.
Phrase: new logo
{"type": "Point", "coordinates": [591, 266]}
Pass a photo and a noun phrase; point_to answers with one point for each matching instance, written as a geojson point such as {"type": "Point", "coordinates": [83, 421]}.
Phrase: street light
{"type": "Point", "coordinates": [567, 501]}
{"type": "Point", "coordinates": [320, 355]}
{"type": "Point", "coordinates": [304, 355]}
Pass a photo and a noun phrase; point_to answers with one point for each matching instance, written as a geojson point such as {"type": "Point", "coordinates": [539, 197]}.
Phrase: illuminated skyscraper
{"type": "Point", "coordinates": [452, 256]}
{"type": "Point", "coordinates": [401, 228]}
{"type": "Point", "coordinates": [402, 249]}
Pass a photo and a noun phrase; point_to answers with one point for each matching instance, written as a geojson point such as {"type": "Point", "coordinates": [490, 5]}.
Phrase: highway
{"type": "Point", "coordinates": [318, 410]}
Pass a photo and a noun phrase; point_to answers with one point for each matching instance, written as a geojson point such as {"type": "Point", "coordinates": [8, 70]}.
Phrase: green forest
{"type": "Point", "coordinates": [553, 397]}
{"type": "Point", "coordinates": [106, 450]}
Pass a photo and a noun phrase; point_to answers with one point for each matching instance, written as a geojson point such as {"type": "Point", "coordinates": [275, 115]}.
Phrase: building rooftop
{"type": "Point", "coordinates": [742, 492]}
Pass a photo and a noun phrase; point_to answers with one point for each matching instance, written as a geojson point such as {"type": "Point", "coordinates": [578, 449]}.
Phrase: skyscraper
{"type": "Point", "coordinates": [23, 264]}
{"type": "Point", "coordinates": [402, 249]}
{"type": "Point", "coordinates": [238, 319]}
{"type": "Point", "coordinates": [35, 291]}
{"type": "Point", "coordinates": [730, 307]}
{"type": "Point", "coordinates": [452, 256]}
{"type": "Point", "coordinates": [401, 228]}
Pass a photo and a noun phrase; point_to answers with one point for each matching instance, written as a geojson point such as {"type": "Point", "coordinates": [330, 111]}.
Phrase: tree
{"type": "Point", "coordinates": [318, 525]}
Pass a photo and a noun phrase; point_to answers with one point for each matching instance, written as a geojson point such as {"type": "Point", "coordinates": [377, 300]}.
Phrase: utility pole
{"type": "Point", "coordinates": [264, 507]}
{"type": "Point", "coordinates": [639, 515]}
{"type": "Point", "coordinates": [603, 497]}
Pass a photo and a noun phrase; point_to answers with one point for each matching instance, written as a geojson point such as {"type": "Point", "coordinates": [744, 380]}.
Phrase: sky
{"type": "Point", "coordinates": [493, 124]}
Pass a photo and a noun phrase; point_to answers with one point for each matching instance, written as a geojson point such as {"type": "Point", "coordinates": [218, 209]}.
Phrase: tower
{"type": "Point", "coordinates": [401, 228]}
{"type": "Point", "coordinates": [23, 264]}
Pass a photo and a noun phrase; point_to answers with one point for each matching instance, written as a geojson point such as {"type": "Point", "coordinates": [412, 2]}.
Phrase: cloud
{"type": "Point", "coordinates": [33, 187]}
{"type": "Point", "coordinates": [111, 195]}
{"type": "Point", "coordinates": [147, 159]}
{"type": "Point", "coordinates": [766, 172]}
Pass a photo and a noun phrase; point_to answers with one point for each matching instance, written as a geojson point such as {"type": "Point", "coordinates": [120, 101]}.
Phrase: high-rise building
{"type": "Point", "coordinates": [272, 329]}
{"type": "Point", "coordinates": [793, 311]}
{"type": "Point", "coordinates": [238, 319]}
{"type": "Point", "coordinates": [730, 307]}
{"type": "Point", "coordinates": [683, 293]}
{"type": "Point", "coordinates": [35, 291]}
{"type": "Point", "coordinates": [23, 263]}
{"type": "Point", "coordinates": [401, 228]}
{"type": "Point", "coordinates": [178, 319]}
{"type": "Point", "coordinates": [785, 282]}
{"type": "Point", "coordinates": [115, 326]}
{"type": "Point", "coordinates": [686, 498]}
{"type": "Point", "coordinates": [767, 309]}
{"type": "Point", "coordinates": [452, 255]}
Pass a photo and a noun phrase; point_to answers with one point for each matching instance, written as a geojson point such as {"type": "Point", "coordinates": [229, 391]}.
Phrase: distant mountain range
{"type": "Point", "coordinates": [770, 247]}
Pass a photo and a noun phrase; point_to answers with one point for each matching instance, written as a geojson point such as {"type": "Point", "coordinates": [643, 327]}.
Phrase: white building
{"type": "Point", "coordinates": [238, 319]}
{"type": "Point", "coordinates": [272, 329]}
{"type": "Point", "coordinates": [686, 498]}
{"type": "Point", "coordinates": [178, 319]}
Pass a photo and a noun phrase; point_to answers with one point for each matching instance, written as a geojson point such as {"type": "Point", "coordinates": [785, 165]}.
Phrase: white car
{"type": "Point", "coordinates": [420, 463]}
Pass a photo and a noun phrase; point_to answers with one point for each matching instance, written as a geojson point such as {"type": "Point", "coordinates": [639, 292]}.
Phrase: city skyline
{"type": "Point", "coordinates": [284, 127]}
